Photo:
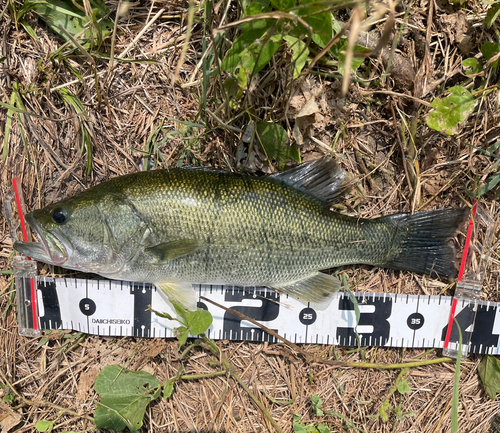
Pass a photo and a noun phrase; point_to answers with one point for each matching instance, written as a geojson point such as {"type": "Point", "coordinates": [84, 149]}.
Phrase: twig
{"type": "Point", "coordinates": [139, 36]}
{"type": "Point", "coordinates": [402, 95]}
{"type": "Point", "coordinates": [260, 325]}
{"type": "Point", "coordinates": [227, 365]}
{"type": "Point", "coordinates": [43, 403]}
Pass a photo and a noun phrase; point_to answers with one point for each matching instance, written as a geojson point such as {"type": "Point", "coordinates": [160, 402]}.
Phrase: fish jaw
{"type": "Point", "coordinates": [51, 249]}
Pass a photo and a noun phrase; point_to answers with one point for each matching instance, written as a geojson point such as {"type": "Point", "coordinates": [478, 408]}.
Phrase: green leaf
{"type": "Point", "coordinates": [198, 321]}
{"type": "Point", "coordinates": [163, 315]}
{"type": "Point", "coordinates": [321, 23]}
{"type": "Point", "coordinates": [124, 395]}
{"type": "Point", "coordinates": [58, 13]}
{"type": "Point", "coordinates": [489, 372]}
{"type": "Point", "coordinates": [274, 139]}
{"type": "Point", "coordinates": [300, 54]}
{"type": "Point", "coordinates": [492, 14]}
{"type": "Point", "coordinates": [383, 410]}
{"type": "Point", "coordinates": [182, 334]}
{"type": "Point", "coordinates": [9, 398]}
{"type": "Point", "coordinates": [301, 428]}
{"type": "Point", "coordinates": [322, 428]}
{"type": "Point", "coordinates": [490, 49]}
{"type": "Point", "coordinates": [450, 111]}
{"type": "Point", "coordinates": [29, 30]}
{"type": "Point", "coordinates": [255, 7]}
{"type": "Point", "coordinates": [253, 31]}
{"type": "Point", "coordinates": [168, 388]}
{"type": "Point", "coordinates": [403, 387]}
{"type": "Point", "coordinates": [491, 182]}
{"type": "Point", "coordinates": [283, 5]}
{"type": "Point", "coordinates": [356, 61]}
{"type": "Point", "coordinates": [44, 426]}
{"type": "Point", "coordinates": [471, 66]}
{"type": "Point", "coordinates": [317, 405]}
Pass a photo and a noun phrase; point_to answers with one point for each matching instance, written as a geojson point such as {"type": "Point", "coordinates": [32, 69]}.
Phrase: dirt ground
{"type": "Point", "coordinates": [378, 133]}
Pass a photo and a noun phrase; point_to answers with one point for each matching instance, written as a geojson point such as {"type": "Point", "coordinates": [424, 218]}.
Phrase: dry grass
{"type": "Point", "coordinates": [433, 171]}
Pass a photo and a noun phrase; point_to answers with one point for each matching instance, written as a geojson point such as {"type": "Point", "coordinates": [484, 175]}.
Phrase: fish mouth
{"type": "Point", "coordinates": [52, 249]}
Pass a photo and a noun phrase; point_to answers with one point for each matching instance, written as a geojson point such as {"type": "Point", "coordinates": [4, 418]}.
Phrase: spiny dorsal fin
{"type": "Point", "coordinates": [322, 178]}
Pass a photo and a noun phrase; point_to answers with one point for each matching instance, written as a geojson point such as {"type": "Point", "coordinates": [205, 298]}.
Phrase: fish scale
{"type": "Point", "coordinates": [176, 227]}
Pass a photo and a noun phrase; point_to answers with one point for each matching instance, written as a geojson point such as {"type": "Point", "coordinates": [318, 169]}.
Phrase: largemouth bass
{"type": "Point", "coordinates": [176, 227]}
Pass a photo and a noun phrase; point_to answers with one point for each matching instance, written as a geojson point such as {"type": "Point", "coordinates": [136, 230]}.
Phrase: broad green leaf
{"type": "Point", "coordinates": [356, 61]}
{"type": "Point", "coordinates": [321, 23]}
{"type": "Point", "coordinates": [57, 13]}
{"type": "Point", "coordinates": [252, 7]}
{"type": "Point", "coordinates": [249, 36]}
{"type": "Point", "coordinates": [182, 335]}
{"type": "Point", "coordinates": [198, 321]}
{"type": "Point", "coordinates": [490, 49]}
{"type": "Point", "coordinates": [256, 56]}
{"type": "Point", "coordinates": [301, 428]}
{"type": "Point", "coordinates": [273, 139]}
{"type": "Point", "coordinates": [44, 426]}
{"type": "Point", "coordinates": [450, 111]}
{"type": "Point", "coordinates": [492, 14]}
{"type": "Point", "coordinates": [489, 372]}
{"type": "Point", "coordinates": [471, 66]}
{"type": "Point", "coordinates": [322, 428]}
{"type": "Point", "coordinates": [317, 405]}
{"type": "Point", "coordinates": [300, 54]}
{"type": "Point", "coordinates": [283, 5]}
{"type": "Point", "coordinates": [403, 387]}
{"type": "Point", "coordinates": [124, 395]}
{"type": "Point", "coordinates": [168, 388]}
{"type": "Point", "coordinates": [246, 58]}
{"type": "Point", "coordinates": [383, 411]}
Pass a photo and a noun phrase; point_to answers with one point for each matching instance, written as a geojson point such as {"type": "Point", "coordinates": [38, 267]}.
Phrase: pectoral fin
{"type": "Point", "coordinates": [171, 250]}
{"type": "Point", "coordinates": [183, 293]}
{"type": "Point", "coordinates": [317, 288]}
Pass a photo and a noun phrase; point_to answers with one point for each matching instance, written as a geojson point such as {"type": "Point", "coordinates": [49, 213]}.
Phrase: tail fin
{"type": "Point", "coordinates": [423, 241]}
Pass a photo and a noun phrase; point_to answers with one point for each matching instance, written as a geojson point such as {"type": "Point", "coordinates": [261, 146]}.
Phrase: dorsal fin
{"type": "Point", "coordinates": [322, 178]}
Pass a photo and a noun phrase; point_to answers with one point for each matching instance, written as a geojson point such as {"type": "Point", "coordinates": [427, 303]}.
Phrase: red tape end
{"type": "Point", "coordinates": [34, 308]}
{"type": "Point", "coordinates": [450, 323]}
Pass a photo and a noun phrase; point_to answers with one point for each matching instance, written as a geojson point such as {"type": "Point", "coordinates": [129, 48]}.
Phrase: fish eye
{"type": "Point", "coordinates": [59, 215]}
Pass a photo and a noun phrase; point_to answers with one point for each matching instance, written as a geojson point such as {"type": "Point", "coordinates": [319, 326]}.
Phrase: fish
{"type": "Point", "coordinates": [183, 226]}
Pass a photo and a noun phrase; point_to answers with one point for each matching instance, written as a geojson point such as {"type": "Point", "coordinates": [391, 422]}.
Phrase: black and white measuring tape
{"type": "Point", "coordinates": [115, 308]}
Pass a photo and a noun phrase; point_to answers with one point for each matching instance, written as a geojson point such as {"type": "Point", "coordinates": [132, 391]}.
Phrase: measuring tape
{"type": "Point", "coordinates": [119, 308]}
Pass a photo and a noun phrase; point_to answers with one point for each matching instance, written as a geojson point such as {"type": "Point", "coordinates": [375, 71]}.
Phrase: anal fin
{"type": "Point", "coordinates": [318, 288]}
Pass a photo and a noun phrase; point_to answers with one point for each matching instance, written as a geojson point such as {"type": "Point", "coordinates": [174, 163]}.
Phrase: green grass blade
{"type": "Point", "coordinates": [456, 384]}
{"type": "Point", "coordinates": [8, 124]}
